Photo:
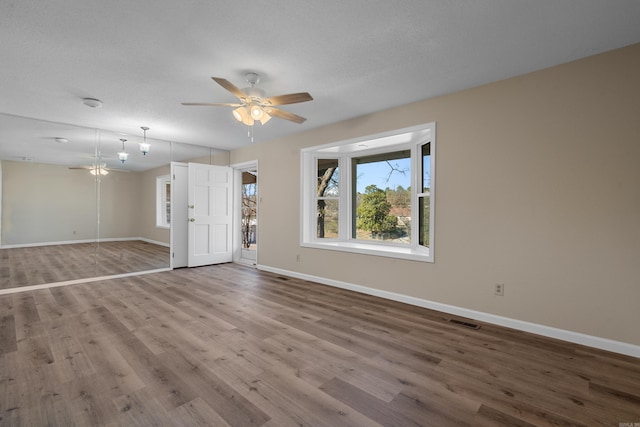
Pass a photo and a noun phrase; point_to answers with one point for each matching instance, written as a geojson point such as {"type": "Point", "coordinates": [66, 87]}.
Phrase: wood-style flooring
{"type": "Point", "coordinates": [231, 345]}
{"type": "Point", "coordinates": [59, 263]}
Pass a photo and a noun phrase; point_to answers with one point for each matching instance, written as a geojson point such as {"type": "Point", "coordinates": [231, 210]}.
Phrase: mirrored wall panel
{"type": "Point", "coordinates": [78, 203]}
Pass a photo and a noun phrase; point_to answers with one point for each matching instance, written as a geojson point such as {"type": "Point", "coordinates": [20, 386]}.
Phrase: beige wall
{"type": "Point", "coordinates": [44, 203]}
{"type": "Point", "coordinates": [47, 203]}
{"type": "Point", "coordinates": [537, 188]}
{"type": "Point", "coordinates": [119, 205]}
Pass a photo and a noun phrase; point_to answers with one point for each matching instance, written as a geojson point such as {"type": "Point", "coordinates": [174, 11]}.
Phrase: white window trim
{"type": "Point", "coordinates": [407, 138]}
{"type": "Point", "coordinates": [161, 202]}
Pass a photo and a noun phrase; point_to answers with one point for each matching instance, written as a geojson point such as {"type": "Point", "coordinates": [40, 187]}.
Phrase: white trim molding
{"type": "Point", "coordinates": [79, 281]}
{"type": "Point", "coordinates": [72, 242]}
{"type": "Point", "coordinates": [534, 328]}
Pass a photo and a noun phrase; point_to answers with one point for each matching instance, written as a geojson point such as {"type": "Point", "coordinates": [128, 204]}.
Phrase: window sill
{"type": "Point", "coordinates": [373, 249]}
{"type": "Point", "coordinates": [166, 227]}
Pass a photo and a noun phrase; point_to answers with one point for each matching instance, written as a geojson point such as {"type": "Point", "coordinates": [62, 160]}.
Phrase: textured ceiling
{"type": "Point", "coordinates": [143, 58]}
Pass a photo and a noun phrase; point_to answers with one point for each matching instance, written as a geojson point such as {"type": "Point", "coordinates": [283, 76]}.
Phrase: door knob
{"type": "Point", "coordinates": [192, 219]}
{"type": "Point", "coordinates": [191, 206]}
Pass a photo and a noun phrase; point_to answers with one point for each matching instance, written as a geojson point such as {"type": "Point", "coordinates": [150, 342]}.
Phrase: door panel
{"type": "Point", "coordinates": [210, 214]}
{"type": "Point", "coordinates": [179, 214]}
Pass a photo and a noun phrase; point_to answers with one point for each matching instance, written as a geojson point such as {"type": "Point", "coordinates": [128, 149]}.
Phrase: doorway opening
{"type": "Point", "coordinates": [246, 214]}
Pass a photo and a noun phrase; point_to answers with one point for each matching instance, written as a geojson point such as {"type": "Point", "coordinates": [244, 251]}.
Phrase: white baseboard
{"type": "Point", "coordinates": [154, 242]}
{"type": "Point", "coordinates": [547, 331]}
{"type": "Point", "coordinates": [79, 281]}
{"type": "Point", "coordinates": [71, 242]}
{"type": "Point", "coordinates": [33, 245]}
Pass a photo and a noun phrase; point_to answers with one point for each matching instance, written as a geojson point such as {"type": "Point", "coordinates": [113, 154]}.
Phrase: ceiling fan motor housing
{"type": "Point", "coordinates": [254, 93]}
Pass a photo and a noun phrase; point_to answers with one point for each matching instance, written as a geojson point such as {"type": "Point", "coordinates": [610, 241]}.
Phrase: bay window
{"type": "Point", "coordinates": [372, 195]}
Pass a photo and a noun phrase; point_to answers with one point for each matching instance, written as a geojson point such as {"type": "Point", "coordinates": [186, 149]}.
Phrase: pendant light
{"type": "Point", "coordinates": [144, 146]}
{"type": "Point", "coordinates": [123, 155]}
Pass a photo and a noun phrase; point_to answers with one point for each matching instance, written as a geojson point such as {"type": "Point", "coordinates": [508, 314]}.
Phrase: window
{"type": "Point", "coordinates": [381, 185]}
{"type": "Point", "coordinates": [163, 201]}
{"type": "Point", "coordinates": [327, 196]}
{"type": "Point", "coordinates": [371, 195]}
{"type": "Point", "coordinates": [248, 201]}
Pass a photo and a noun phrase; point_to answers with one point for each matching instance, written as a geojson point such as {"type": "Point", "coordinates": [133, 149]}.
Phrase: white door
{"type": "Point", "coordinates": [179, 214]}
{"type": "Point", "coordinates": [210, 214]}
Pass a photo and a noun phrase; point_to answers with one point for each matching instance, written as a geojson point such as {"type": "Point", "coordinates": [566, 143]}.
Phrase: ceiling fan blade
{"type": "Point", "coordinates": [230, 87]}
{"type": "Point", "coordinates": [209, 104]}
{"type": "Point", "coordinates": [291, 98]}
{"type": "Point", "coordinates": [285, 115]}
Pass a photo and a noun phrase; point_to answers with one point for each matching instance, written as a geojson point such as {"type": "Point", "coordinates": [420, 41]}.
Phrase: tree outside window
{"type": "Point", "coordinates": [249, 210]}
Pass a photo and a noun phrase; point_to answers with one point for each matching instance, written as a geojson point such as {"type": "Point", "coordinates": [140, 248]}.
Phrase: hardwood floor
{"type": "Point", "coordinates": [230, 345]}
{"type": "Point", "coordinates": [58, 263]}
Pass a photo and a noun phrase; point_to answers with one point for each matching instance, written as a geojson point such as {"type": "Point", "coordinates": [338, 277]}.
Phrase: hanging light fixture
{"type": "Point", "coordinates": [123, 155]}
{"type": "Point", "coordinates": [144, 146]}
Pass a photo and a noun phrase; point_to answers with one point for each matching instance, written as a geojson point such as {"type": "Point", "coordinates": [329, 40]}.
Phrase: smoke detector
{"type": "Point", "coordinates": [92, 102]}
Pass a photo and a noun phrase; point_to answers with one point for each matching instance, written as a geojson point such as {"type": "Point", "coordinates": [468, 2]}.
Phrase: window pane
{"type": "Point", "coordinates": [382, 197]}
{"type": "Point", "coordinates": [167, 201]}
{"type": "Point", "coordinates": [424, 216]}
{"type": "Point", "coordinates": [426, 167]}
{"type": "Point", "coordinates": [327, 212]}
{"type": "Point", "coordinates": [328, 178]}
{"type": "Point", "coordinates": [248, 219]}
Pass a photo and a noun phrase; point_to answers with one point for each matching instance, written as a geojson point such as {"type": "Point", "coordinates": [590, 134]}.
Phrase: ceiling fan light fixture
{"type": "Point", "coordinates": [265, 118]}
{"type": "Point", "coordinates": [256, 111]}
{"type": "Point", "coordinates": [237, 113]}
{"type": "Point", "coordinates": [98, 170]}
{"type": "Point", "coordinates": [242, 115]}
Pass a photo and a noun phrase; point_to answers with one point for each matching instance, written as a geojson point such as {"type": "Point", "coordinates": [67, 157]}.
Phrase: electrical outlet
{"type": "Point", "coordinates": [298, 258]}
{"type": "Point", "coordinates": [499, 289]}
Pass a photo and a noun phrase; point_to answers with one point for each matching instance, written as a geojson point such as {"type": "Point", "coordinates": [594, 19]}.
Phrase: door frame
{"type": "Point", "coordinates": [179, 215]}
{"type": "Point", "coordinates": [238, 169]}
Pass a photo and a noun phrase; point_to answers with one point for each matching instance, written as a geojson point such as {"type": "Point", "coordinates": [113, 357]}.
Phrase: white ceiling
{"type": "Point", "coordinates": [143, 58]}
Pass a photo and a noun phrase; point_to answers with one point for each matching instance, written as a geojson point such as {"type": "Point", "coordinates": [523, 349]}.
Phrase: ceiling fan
{"type": "Point", "coordinates": [253, 105]}
{"type": "Point", "coordinates": [98, 169]}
